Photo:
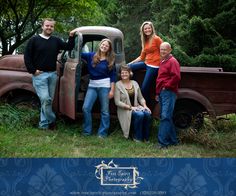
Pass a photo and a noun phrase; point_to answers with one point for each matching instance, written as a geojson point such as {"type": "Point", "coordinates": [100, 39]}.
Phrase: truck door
{"type": "Point", "coordinates": [70, 80]}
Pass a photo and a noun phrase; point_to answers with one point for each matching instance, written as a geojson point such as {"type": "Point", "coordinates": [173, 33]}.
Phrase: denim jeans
{"type": "Point", "coordinates": [90, 98]}
{"type": "Point", "coordinates": [140, 123]}
{"type": "Point", "coordinates": [167, 132]}
{"type": "Point", "coordinates": [45, 85]}
{"type": "Point", "coordinates": [149, 78]}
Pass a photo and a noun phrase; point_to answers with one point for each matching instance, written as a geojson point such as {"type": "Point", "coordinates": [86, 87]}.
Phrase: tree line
{"type": "Point", "coordinates": [201, 32]}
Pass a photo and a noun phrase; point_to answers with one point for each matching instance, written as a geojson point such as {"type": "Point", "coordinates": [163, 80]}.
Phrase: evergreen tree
{"type": "Point", "coordinates": [202, 31]}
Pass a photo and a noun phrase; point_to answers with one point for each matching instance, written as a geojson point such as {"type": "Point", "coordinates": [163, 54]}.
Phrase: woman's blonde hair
{"type": "Point", "coordinates": [144, 38]}
{"type": "Point", "coordinates": [110, 56]}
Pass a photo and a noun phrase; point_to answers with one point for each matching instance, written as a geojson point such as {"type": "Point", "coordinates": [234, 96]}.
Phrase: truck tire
{"type": "Point", "coordinates": [188, 114]}
{"type": "Point", "coordinates": [26, 100]}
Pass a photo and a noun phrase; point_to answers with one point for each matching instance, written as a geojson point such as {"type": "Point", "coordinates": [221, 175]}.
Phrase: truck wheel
{"type": "Point", "coordinates": [27, 100]}
{"type": "Point", "coordinates": [188, 114]}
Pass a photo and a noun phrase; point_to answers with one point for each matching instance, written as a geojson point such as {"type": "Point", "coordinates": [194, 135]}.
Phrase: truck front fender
{"type": "Point", "coordinates": [16, 86]}
{"type": "Point", "coordinates": [185, 93]}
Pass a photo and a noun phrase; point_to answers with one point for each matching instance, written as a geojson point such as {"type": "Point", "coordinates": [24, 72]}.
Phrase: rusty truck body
{"type": "Point", "coordinates": [202, 90]}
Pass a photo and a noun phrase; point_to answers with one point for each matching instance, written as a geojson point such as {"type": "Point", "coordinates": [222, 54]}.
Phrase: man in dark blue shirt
{"type": "Point", "coordinates": [40, 60]}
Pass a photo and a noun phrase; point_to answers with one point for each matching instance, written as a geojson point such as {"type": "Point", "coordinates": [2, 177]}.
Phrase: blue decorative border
{"type": "Point", "coordinates": [152, 176]}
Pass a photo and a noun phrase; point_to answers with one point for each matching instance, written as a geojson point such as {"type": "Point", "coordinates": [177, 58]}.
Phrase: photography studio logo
{"type": "Point", "coordinates": [112, 175]}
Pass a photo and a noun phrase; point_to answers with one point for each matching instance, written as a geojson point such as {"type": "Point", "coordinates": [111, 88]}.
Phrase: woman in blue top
{"type": "Point", "coordinates": [101, 84]}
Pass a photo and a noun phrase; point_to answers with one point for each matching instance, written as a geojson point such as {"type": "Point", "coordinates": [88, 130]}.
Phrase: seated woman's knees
{"type": "Point", "coordinates": [139, 115]}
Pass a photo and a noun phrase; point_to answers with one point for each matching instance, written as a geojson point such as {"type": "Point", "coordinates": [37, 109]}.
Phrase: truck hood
{"type": "Point", "coordinates": [12, 62]}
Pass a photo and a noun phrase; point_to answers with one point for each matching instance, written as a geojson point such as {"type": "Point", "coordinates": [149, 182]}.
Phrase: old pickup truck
{"type": "Point", "coordinates": [202, 90]}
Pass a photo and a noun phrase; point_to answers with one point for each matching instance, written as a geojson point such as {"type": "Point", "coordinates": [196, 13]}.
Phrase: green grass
{"type": "Point", "coordinates": [19, 137]}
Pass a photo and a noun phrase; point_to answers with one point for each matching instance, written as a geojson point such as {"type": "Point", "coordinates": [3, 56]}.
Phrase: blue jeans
{"type": "Point", "coordinates": [90, 98]}
{"type": "Point", "coordinates": [45, 85]}
{"type": "Point", "coordinates": [140, 123]}
{"type": "Point", "coordinates": [167, 133]}
{"type": "Point", "coordinates": [149, 78]}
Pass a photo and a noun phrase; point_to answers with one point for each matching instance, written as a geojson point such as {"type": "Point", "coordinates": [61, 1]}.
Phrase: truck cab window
{"type": "Point", "coordinates": [118, 46]}
{"type": "Point", "coordinates": [91, 46]}
{"type": "Point", "coordinates": [74, 54]}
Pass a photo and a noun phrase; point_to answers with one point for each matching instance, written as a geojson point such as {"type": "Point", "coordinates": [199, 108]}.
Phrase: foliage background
{"type": "Point", "coordinates": [201, 32]}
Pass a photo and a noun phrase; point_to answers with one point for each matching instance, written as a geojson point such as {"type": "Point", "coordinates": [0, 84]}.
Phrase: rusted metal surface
{"type": "Point", "coordinates": [218, 89]}
{"type": "Point", "coordinates": [11, 80]}
{"type": "Point", "coordinates": [12, 62]}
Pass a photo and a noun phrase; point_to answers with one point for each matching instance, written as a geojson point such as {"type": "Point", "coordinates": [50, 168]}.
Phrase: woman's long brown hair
{"type": "Point", "coordinates": [110, 56]}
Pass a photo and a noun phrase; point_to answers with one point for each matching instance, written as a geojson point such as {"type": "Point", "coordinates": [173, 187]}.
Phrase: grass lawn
{"type": "Point", "coordinates": [19, 137]}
